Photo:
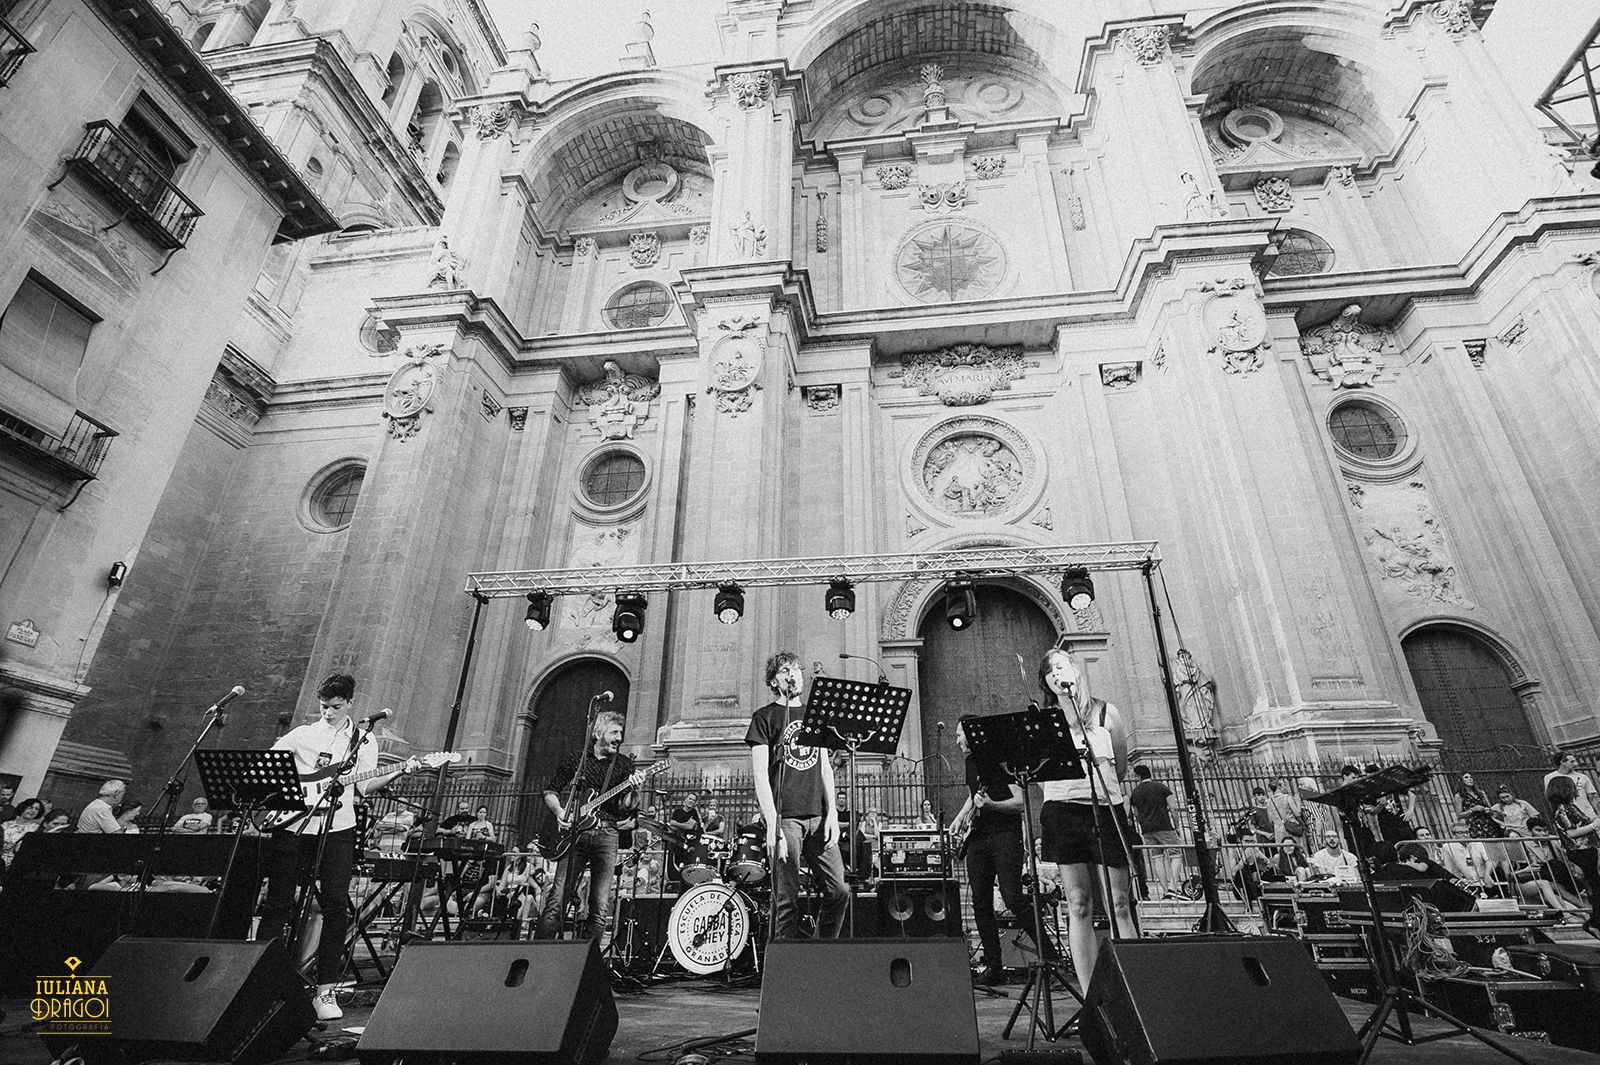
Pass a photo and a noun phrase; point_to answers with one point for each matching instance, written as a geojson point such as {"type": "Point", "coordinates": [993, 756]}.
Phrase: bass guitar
{"type": "Point", "coordinates": [317, 782]}
{"type": "Point", "coordinates": [580, 811]}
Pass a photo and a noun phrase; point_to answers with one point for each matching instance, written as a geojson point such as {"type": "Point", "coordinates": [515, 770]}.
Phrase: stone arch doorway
{"type": "Point", "coordinates": [560, 710]}
{"type": "Point", "coordinates": [975, 671]}
{"type": "Point", "coordinates": [1465, 688]}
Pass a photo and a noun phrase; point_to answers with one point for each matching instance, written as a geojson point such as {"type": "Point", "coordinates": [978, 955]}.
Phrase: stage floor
{"type": "Point", "coordinates": [672, 1012]}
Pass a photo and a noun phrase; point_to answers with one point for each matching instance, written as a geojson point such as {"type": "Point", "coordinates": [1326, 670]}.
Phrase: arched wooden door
{"type": "Point", "coordinates": [1465, 690]}
{"type": "Point", "coordinates": [560, 715]}
{"type": "Point", "coordinates": [975, 671]}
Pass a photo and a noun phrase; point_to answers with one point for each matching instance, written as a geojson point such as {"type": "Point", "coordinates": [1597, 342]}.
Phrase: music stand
{"type": "Point", "coordinates": [248, 781]}
{"type": "Point", "coordinates": [1396, 998]}
{"type": "Point", "coordinates": [1030, 746]}
{"type": "Point", "coordinates": [854, 715]}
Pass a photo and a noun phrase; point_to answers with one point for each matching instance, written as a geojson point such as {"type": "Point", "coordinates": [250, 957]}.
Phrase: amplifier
{"type": "Point", "coordinates": [911, 854]}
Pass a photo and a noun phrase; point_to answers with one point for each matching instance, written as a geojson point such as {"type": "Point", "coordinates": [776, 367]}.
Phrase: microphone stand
{"type": "Point", "coordinates": [215, 718]}
{"type": "Point", "coordinates": [1096, 771]}
{"type": "Point", "coordinates": [333, 795]}
{"type": "Point", "coordinates": [945, 858]}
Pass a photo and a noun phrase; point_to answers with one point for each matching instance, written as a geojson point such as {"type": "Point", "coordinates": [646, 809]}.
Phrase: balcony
{"type": "Point", "coordinates": [75, 455]}
{"type": "Point", "coordinates": [111, 162]}
{"type": "Point", "coordinates": [14, 48]}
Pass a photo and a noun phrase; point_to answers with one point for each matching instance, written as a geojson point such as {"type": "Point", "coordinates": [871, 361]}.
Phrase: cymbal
{"type": "Point", "coordinates": [661, 829]}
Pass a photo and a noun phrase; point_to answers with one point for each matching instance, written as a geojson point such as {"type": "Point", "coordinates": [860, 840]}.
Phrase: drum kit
{"type": "Point", "coordinates": [725, 888]}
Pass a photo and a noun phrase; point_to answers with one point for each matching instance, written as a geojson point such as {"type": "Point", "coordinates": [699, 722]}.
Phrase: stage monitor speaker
{"type": "Point", "coordinates": [194, 1000]}
{"type": "Point", "coordinates": [1244, 1000]}
{"type": "Point", "coordinates": [867, 1002]}
{"type": "Point", "coordinates": [531, 1003]}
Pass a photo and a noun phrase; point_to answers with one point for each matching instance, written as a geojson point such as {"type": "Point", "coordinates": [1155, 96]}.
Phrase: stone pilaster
{"type": "Point", "coordinates": [754, 208]}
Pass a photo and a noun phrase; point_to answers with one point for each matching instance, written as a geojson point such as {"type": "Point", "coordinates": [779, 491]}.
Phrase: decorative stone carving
{"type": "Point", "coordinates": [1080, 221]}
{"type": "Point", "coordinates": [1274, 193]}
{"type": "Point", "coordinates": [1159, 359]}
{"type": "Point", "coordinates": [914, 527]}
{"type": "Point", "coordinates": [1358, 492]}
{"type": "Point", "coordinates": [1406, 541]}
{"type": "Point", "coordinates": [1201, 204]}
{"type": "Point", "coordinates": [445, 266]}
{"type": "Point", "coordinates": [822, 222]}
{"type": "Point", "coordinates": [1514, 332]}
{"type": "Point", "coordinates": [1455, 16]}
{"type": "Point", "coordinates": [225, 401]}
{"type": "Point", "coordinates": [1088, 619]}
{"type": "Point", "coordinates": [583, 248]}
{"type": "Point", "coordinates": [491, 120]}
{"type": "Point", "coordinates": [820, 399]}
{"type": "Point", "coordinates": [989, 166]}
{"type": "Point", "coordinates": [490, 406]}
{"type": "Point", "coordinates": [1235, 318]}
{"type": "Point", "coordinates": [1476, 349]}
{"type": "Point", "coordinates": [410, 390]}
{"type": "Point", "coordinates": [735, 359]}
{"type": "Point", "coordinates": [974, 467]}
{"type": "Point", "coordinates": [749, 237]}
{"type": "Point", "coordinates": [518, 418]}
{"type": "Point", "coordinates": [894, 176]}
{"type": "Point", "coordinates": [1197, 699]}
{"type": "Point", "coordinates": [1043, 520]}
{"type": "Point", "coordinates": [963, 375]}
{"type": "Point", "coordinates": [88, 243]}
{"type": "Point", "coordinates": [698, 235]}
{"type": "Point", "coordinates": [951, 261]}
{"type": "Point", "coordinates": [750, 89]}
{"type": "Point", "coordinates": [1119, 375]}
{"type": "Point", "coordinates": [618, 402]}
{"type": "Point", "coordinates": [1147, 44]}
{"type": "Point", "coordinates": [644, 249]}
{"type": "Point", "coordinates": [932, 91]}
{"type": "Point", "coordinates": [1345, 352]}
{"type": "Point", "coordinates": [947, 196]}
{"type": "Point", "coordinates": [1344, 176]}
{"type": "Point", "coordinates": [652, 181]}
{"type": "Point", "coordinates": [590, 615]}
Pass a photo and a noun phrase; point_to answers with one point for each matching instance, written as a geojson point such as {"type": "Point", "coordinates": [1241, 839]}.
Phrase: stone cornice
{"type": "Point", "coordinates": [476, 316]}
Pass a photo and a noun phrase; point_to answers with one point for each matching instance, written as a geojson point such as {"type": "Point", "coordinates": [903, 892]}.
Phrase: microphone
{"type": "Point", "coordinates": [233, 693]}
{"type": "Point", "coordinates": [381, 715]}
{"type": "Point", "coordinates": [883, 678]}
{"type": "Point", "coordinates": [605, 697]}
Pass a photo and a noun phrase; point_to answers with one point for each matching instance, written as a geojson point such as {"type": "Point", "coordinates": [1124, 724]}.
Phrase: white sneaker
{"type": "Point", "coordinates": [326, 1003]}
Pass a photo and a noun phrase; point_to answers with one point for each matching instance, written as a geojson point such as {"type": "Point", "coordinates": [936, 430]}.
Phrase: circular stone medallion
{"type": "Point", "coordinates": [948, 261]}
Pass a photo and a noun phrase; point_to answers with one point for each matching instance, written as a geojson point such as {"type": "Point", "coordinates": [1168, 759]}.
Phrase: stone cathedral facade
{"type": "Point", "coordinates": [1297, 290]}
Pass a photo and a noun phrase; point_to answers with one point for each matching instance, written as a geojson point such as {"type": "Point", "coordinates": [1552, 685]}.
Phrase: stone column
{"type": "Point", "coordinates": [754, 205]}
{"type": "Point", "coordinates": [484, 224]}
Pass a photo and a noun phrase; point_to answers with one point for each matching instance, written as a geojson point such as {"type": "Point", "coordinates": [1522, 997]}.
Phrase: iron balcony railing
{"type": "Point", "coordinates": [14, 48]}
{"type": "Point", "coordinates": [81, 448]}
{"type": "Point", "coordinates": [110, 160]}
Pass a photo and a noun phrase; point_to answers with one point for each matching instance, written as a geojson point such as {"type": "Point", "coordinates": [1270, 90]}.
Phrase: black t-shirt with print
{"type": "Point", "coordinates": [799, 792]}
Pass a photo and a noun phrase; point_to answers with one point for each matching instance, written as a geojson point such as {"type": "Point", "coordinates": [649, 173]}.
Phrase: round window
{"type": "Point", "coordinates": [1300, 252]}
{"type": "Point", "coordinates": [334, 500]}
{"type": "Point", "coordinates": [372, 334]}
{"type": "Point", "coordinates": [641, 304]}
{"type": "Point", "coordinates": [613, 478]}
{"type": "Point", "coordinates": [1366, 430]}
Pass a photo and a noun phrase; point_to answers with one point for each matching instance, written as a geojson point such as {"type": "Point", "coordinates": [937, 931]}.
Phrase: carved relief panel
{"type": "Point", "coordinates": [973, 468]}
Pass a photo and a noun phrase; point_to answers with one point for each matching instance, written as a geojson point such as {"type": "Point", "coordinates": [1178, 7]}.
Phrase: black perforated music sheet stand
{"type": "Point", "coordinates": [248, 781]}
{"type": "Point", "coordinates": [1029, 747]}
{"type": "Point", "coordinates": [853, 715]}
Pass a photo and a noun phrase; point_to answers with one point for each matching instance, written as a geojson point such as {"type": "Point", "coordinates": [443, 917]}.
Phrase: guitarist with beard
{"type": "Point", "coordinates": [989, 827]}
{"type": "Point", "coordinates": [596, 770]}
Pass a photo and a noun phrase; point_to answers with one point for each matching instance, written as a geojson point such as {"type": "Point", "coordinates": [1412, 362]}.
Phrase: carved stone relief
{"type": "Point", "coordinates": [1514, 332]}
{"type": "Point", "coordinates": [1344, 176]}
{"type": "Point", "coordinates": [1043, 520]}
{"type": "Point", "coordinates": [950, 261]}
{"type": "Point", "coordinates": [84, 241]}
{"type": "Point", "coordinates": [583, 247]}
{"type": "Point", "coordinates": [1346, 352]}
{"type": "Point", "coordinates": [932, 92]}
{"type": "Point", "coordinates": [1201, 204]}
{"type": "Point", "coordinates": [820, 399]}
{"type": "Point", "coordinates": [491, 120]}
{"type": "Point", "coordinates": [1147, 44]}
{"type": "Point", "coordinates": [698, 235]}
{"type": "Point", "coordinates": [944, 197]}
{"type": "Point", "coordinates": [1118, 376]}
{"type": "Point", "coordinates": [989, 166]}
{"type": "Point", "coordinates": [619, 402]}
{"type": "Point", "coordinates": [517, 418]}
{"type": "Point", "coordinates": [489, 406]}
{"type": "Point", "coordinates": [1233, 316]}
{"type": "Point", "coordinates": [1080, 221]}
{"type": "Point", "coordinates": [1455, 16]}
{"type": "Point", "coordinates": [644, 250]}
{"type": "Point", "coordinates": [750, 89]}
{"type": "Point", "coordinates": [899, 617]}
{"type": "Point", "coordinates": [1406, 542]}
{"type": "Point", "coordinates": [445, 266]}
{"type": "Point", "coordinates": [914, 527]}
{"type": "Point", "coordinates": [1274, 193]}
{"type": "Point", "coordinates": [963, 375]}
{"type": "Point", "coordinates": [749, 237]}
{"type": "Point", "coordinates": [735, 360]}
{"type": "Point", "coordinates": [822, 222]}
{"type": "Point", "coordinates": [894, 176]}
{"type": "Point", "coordinates": [410, 390]}
{"type": "Point", "coordinates": [587, 618]}
{"type": "Point", "coordinates": [1476, 349]}
{"type": "Point", "coordinates": [973, 467]}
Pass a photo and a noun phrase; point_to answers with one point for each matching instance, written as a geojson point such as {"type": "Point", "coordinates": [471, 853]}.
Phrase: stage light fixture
{"type": "Point", "coordinates": [538, 617]}
{"type": "Point", "coordinates": [627, 621]}
{"type": "Point", "coordinates": [960, 604]}
{"type": "Point", "coordinates": [1076, 588]}
{"type": "Point", "coordinates": [729, 605]}
{"type": "Point", "coordinates": [841, 599]}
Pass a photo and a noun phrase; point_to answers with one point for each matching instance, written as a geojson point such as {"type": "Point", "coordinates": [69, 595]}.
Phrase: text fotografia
{"type": "Point", "coordinates": [72, 1004]}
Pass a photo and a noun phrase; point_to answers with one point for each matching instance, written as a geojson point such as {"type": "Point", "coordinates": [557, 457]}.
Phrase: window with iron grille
{"type": "Point", "coordinates": [1366, 430]}
{"type": "Point", "coordinates": [1300, 252]}
{"type": "Point", "coordinates": [613, 478]}
{"type": "Point", "coordinates": [641, 304]}
{"type": "Point", "coordinates": [334, 500]}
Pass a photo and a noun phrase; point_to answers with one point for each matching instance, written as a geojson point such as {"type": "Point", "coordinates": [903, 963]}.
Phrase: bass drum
{"type": "Point", "coordinates": [749, 865]}
{"type": "Point", "coordinates": [709, 928]}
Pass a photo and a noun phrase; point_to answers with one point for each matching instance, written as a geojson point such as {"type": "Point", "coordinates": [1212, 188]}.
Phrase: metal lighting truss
{"type": "Point", "coordinates": [1575, 84]}
{"type": "Point", "coordinates": [968, 563]}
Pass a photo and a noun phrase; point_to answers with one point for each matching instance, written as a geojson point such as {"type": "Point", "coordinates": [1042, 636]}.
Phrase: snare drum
{"type": "Point", "coordinates": [749, 865]}
{"type": "Point", "coordinates": [705, 860]}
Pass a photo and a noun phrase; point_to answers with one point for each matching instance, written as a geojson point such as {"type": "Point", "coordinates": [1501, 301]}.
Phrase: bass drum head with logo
{"type": "Point", "coordinates": [709, 927]}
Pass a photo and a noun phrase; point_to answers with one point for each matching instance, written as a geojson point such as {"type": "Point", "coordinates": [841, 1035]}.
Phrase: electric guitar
{"type": "Point", "coordinates": [579, 811]}
{"type": "Point", "coordinates": [317, 781]}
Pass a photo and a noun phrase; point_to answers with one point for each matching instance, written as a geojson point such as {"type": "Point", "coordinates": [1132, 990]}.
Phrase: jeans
{"type": "Point", "coordinates": [991, 857]}
{"type": "Point", "coordinates": [805, 838]}
{"type": "Point", "coordinates": [290, 863]}
{"type": "Point", "coordinates": [596, 851]}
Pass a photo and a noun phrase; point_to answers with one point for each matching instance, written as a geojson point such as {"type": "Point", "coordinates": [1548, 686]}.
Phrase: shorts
{"type": "Point", "coordinates": [1165, 838]}
{"type": "Point", "coordinates": [1069, 836]}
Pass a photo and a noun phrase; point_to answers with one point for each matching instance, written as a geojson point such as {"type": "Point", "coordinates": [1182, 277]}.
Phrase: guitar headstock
{"type": "Point", "coordinates": [651, 770]}
{"type": "Point", "coordinates": [438, 758]}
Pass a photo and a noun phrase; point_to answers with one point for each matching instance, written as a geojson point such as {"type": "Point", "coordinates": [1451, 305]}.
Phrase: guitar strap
{"type": "Point", "coordinates": [605, 783]}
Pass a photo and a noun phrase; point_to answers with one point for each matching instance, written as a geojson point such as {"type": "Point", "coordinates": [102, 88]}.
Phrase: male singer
{"type": "Point", "coordinates": [326, 741]}
{"type": "Point", "coordinates": [794, 790]}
